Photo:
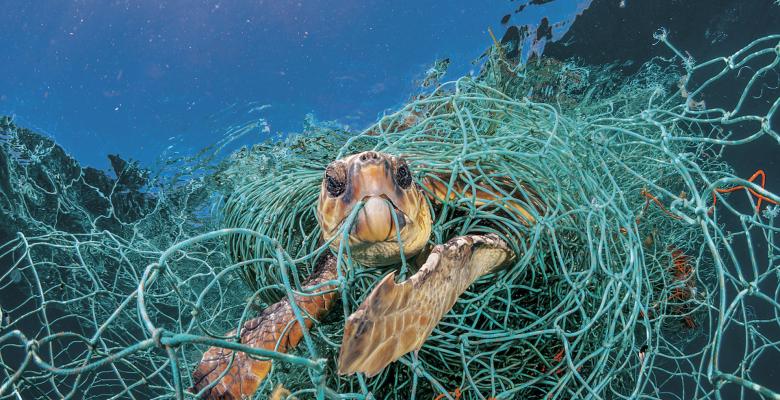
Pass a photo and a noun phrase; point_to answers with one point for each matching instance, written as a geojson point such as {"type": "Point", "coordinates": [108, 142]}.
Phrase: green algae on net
{"type": "Point", "coordinates": [626, 286]}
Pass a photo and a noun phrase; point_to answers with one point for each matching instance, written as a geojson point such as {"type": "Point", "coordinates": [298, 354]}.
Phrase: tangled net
{"type": "Point", "coordinates": [649, 259]}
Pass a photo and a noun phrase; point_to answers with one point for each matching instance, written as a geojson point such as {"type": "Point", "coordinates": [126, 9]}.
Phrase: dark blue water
{"type": "Point", "coordinates": [137, 77]}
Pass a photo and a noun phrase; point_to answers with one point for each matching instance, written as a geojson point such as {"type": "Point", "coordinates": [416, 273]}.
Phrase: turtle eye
{"type": "Point", "coordinates": [335, 179]}
{"type": "Point", "coordinates": [403, 177]}
{"type": "Point", "coordinates": [335, 187]}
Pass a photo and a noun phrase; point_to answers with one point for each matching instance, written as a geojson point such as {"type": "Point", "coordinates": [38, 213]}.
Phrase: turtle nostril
{"type": "Point", "coordinates": [369, 156]}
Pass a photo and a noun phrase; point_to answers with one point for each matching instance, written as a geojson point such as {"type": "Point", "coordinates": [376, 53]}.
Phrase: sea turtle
{"type": "Point", "coordinates": [395, 318]}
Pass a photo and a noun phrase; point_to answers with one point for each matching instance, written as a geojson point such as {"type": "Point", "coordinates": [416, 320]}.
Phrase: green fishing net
{"type": "Point", "coordinates": [650, 272]}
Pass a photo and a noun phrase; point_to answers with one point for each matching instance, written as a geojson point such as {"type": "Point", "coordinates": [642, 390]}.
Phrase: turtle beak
{"type": "Point", "coordinates": [374, 222]}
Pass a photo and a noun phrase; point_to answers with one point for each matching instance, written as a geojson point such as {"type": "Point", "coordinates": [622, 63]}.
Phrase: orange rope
{"type": "Point", "coordinates": [457, 393]}
{"type": "Point", "coordinates": [683, 271]}
{"type": "Point", "coordinates": [558, 356]}
{"type": "Point", "coordinates": [655, 200]}
{"type": "Point", "coordinates": [758, 173]}
{"type": "Point", "coordinates": [761, 197]}
{"type": "Point", "coordinates": [682, 266]}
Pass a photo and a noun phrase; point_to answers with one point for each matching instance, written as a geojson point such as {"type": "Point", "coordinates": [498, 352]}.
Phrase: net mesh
{"type": "Point", "coordinates": [651, 273]}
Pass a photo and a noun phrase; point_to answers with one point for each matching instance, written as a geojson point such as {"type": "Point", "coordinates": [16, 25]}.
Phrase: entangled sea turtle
{"type": "Point", "coordinates": [394, 319]}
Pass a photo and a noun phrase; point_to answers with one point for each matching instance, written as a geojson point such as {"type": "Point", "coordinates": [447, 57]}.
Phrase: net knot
{"type": "Point", "coordinates": [545, 222]}
{"type": "Point", "coordinates": [32, 346]}
{"type": "Point", "coordinates": [661, 34]}
{"type": "Point", "coordinates": [751, 288]}
{"type": "Point", "coordinates": [730, 62]}
{"type": "Point", "coordinates": [341, 282]}
{"type": "Point", "coordinates": [701, 212]}
{"type": "Point", "coordinates": [765, 124]}
{"type": "Point", "coordinates": [157, 336]}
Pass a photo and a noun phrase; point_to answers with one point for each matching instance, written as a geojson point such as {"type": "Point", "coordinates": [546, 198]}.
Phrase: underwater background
{"type": "Point", "coordinates": [138, 77]}
{"type": "Point", "coordinates": [128, 128]}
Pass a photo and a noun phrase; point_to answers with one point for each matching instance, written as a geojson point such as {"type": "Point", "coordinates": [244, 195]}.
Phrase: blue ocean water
{"type": "Point", "coordinates": [149, 79]}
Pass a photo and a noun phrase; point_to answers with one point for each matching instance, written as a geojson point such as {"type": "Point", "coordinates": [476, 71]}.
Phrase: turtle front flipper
{"type": "Point", "coordinates": [276, 324]}
{"type": "Point", "coordinates": [396, 319]}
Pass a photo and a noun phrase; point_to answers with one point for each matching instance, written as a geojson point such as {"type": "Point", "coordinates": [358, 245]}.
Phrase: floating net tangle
{"type": "Point", "coordinates": [651, 273]}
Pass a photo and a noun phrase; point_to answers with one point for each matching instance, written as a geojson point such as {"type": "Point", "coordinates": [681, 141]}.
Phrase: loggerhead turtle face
{"type": "Point", "coordinates": [384, 183]}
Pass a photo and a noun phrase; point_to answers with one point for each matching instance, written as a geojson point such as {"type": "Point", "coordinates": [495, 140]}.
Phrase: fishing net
{"type": "Point", "coordinates": [650, 271]}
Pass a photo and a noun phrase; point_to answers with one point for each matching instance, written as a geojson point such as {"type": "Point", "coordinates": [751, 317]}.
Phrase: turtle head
{"type": "Point", "coordinates": [384, 184]}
